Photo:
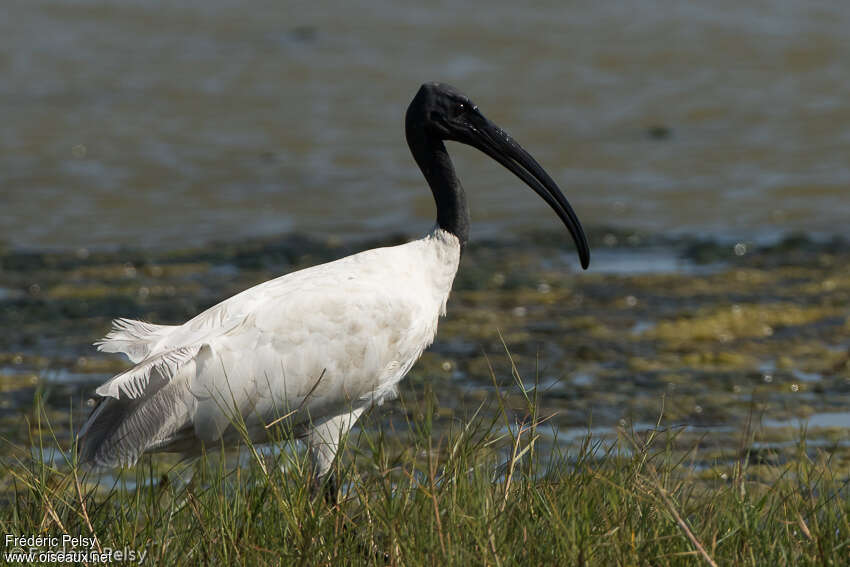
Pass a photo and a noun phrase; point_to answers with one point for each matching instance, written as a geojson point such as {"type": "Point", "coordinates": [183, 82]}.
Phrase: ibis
{"type": "Point", "coordinates": [316, 347]}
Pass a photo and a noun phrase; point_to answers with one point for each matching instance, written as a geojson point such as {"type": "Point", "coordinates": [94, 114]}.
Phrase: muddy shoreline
{"type": "Point", "coordinates": [708, 335]}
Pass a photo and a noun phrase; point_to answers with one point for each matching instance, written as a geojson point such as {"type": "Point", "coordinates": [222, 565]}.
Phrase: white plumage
{"type": "Point", "coordinates": [329, 340]}
{"type": "Point", "coordinates": [318, 346]}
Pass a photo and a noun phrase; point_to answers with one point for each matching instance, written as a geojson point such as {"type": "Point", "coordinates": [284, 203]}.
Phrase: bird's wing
{"type": "Point", "coordinates": [323, 342]}
{"type": "Point", "coordinates": [159, 351]}
{"type": "Point", "coordinates": [168, 349]}
{"type": "Point", "coordinates": [164, 348]}
{"type": "Point", "coordinates": [281, 305]}
{"type": "Point", "coordinates": [160, 367]}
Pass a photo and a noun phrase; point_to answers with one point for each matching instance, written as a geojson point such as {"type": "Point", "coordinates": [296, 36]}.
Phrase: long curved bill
{"type": "Point", "coordinates": [496, 143]}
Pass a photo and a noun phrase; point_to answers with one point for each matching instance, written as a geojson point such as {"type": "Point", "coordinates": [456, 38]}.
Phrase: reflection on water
{"type": "Point", "coordinates": [154, 124]}
{"type": "Point", "coordinates": [646, 261]}
{"type": "Point", "coordinates": [832, 419]}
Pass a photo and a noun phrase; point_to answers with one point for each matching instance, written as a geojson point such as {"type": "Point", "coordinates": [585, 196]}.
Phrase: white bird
{"type": "Point", "coordinates": [317, 346]}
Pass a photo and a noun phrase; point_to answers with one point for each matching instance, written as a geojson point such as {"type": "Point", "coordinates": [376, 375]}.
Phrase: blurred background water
{"type": "Point", "coordinates": [156, 124]}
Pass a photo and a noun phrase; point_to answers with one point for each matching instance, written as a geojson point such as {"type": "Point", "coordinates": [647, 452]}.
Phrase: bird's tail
{"type": "Point", "coordinates": [119, 430]}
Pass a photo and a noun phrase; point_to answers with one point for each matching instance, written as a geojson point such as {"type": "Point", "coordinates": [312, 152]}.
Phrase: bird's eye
{"type": "Point", "coordinates": [460, 109]}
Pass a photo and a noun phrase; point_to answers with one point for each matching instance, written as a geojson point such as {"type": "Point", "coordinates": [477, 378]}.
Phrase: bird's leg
{"type": "Point", "coordinates": [323, 441]}
{"type": "Point", "coordinates": [327, 486]}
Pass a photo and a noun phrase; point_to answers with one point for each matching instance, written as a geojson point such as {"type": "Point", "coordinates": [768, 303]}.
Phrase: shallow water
{"type": "Point", "coordinates": [157, 124]}
{"type": "Point", "coordinates": [701, 343]}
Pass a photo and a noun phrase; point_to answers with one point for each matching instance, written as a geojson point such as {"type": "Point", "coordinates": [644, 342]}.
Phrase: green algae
{"type": "Point", "coordinates": [727, 324]}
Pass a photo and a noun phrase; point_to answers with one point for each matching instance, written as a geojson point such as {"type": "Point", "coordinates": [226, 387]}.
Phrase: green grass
{"type": "Point", "coordinates": [481, 492]}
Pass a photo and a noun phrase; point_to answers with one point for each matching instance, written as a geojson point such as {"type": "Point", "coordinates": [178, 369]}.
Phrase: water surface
{"type": "Point", "coordinates": [157, 124]}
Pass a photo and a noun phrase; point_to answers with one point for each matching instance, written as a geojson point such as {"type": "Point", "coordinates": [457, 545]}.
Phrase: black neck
{"type": "Point", "coordinates": [436, 165]}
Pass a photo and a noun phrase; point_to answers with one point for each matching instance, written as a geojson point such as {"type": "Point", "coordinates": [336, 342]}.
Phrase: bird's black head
{"type": "Point", "coordinates": [440, 112]}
